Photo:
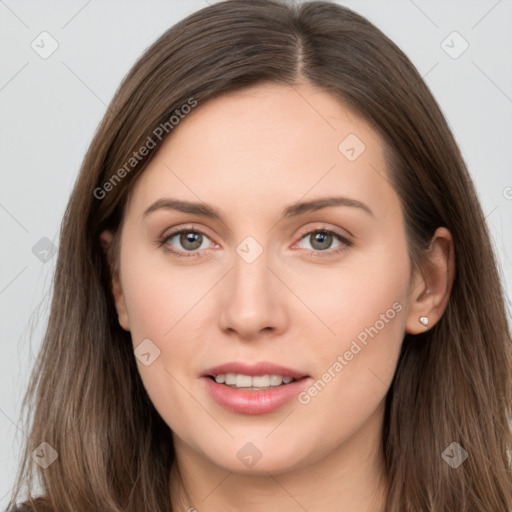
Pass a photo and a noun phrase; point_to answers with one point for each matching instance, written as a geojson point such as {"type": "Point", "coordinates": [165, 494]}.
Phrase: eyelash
{"type": "Point", "coordinates": [191, 254]}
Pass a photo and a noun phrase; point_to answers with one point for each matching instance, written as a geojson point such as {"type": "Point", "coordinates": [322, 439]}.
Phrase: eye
{"type": "Point", "coordinates": [190, 241]}
{"type": "Point", "coordinates": [321, 240]}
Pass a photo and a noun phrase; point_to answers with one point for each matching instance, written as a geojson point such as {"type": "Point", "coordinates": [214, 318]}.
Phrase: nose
{"type": "Point", "coordinates": [252, 302]}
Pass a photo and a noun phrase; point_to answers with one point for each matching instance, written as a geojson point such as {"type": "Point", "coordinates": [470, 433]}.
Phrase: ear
{"type": "Point", "coordinates": [117, 292]}
{"type": "Point", "coordinates": [432, 284]}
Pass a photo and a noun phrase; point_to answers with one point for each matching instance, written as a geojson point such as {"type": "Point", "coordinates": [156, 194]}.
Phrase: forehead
{"type": "Point", "coordinates": [276, 142]}
{"type": "Point", "coordinates": [306, 119]}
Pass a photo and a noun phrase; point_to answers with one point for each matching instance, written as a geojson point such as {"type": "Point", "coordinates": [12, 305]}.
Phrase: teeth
{"type": "Point", "coordinates": [243, 381]}
{"type": "Point", "coordinates": [247, 381]}
{"type": "Point", "coordinates": [261, 381]}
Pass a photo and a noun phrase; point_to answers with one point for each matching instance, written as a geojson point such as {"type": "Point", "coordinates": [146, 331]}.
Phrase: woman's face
{"type": "Point", "coordinates": [321, 292]}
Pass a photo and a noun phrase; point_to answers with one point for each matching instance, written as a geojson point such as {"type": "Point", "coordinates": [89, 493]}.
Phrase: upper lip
{"type": "Point", "coordinates": [252, 369]}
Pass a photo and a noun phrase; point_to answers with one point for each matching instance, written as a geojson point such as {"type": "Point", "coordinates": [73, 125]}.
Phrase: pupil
{"type": "Point", "coordinates": [190, 238]}
{"type": "Point", "coordinates": [322, 238]}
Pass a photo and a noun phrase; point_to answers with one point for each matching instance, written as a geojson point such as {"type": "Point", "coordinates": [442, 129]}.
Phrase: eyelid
{"type": "Point", "coordinates": [347, 238]}
{"type": "Point", "coordinates": [166, 236]}
{"type": "Point", "coordinates": [345, 241]}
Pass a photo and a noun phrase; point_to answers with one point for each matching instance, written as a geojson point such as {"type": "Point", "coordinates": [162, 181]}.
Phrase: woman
{"type": "Point", "coordinates": [275, 287]}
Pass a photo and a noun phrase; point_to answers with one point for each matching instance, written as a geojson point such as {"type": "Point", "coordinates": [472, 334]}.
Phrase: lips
{"type": "Point", "coordinates": [261, 368]}
{"type": "Point", "coordinates": [253, 400]}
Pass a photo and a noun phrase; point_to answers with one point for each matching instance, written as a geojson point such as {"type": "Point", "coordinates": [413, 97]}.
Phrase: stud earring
{"type": "Point", "coordinates": [424, 320]}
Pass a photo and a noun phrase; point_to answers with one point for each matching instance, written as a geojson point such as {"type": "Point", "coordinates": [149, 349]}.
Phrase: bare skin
{"type": "Point", "coordinates": [250, 154]}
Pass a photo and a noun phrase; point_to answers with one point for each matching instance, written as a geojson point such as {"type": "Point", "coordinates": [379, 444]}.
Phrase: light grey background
{"type": "Point", "coordinates": [51, 107]}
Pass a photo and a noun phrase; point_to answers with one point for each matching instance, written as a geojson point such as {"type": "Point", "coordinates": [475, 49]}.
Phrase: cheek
{"type": "Point", "coordinates": [165, 305]}
{"type": "Point", "coordinates": [159, 304]}
{"type": "Point", "coordinates": [158, 295]}
{"type": "Point", "coordinates": [364, 304]}
{"type": "Point", "coordinates": [361, 297]}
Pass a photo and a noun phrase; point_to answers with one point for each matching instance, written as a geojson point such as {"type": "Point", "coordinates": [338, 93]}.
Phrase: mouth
{"type": "Point", "coordinates": [262, 375]}
{"type": "Point", "coordinates": [253, 388]}
{"type": "Point", "coordinates": [252, 382]}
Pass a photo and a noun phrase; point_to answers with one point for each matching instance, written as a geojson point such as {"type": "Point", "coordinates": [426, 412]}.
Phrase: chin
{"type": "Point", "coordinates": [259, 456]}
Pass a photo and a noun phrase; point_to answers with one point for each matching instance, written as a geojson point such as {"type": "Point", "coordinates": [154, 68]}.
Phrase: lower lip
{"type": "Point", "coordinates": [254, 401]}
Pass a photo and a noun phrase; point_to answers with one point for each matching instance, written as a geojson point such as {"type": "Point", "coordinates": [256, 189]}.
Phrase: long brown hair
{"type": "Point", "coordinates": [453, 383]}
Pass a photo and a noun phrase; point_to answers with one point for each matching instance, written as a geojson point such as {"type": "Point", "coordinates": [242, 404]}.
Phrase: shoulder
{"type": "Point", "coordinates": [38, 504]}
{"type": "Point", "coordinates": [23, 508]}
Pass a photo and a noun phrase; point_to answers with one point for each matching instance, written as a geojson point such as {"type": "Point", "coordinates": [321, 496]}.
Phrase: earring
{"type": "Point", "coordinates": [424, 320]}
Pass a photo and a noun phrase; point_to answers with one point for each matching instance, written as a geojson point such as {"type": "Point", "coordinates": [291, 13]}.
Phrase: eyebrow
{"type": "Point", "coordinates": [205, 210]}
